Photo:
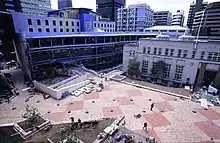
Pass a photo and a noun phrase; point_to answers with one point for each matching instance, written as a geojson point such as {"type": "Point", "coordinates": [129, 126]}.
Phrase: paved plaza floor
{"type": "Point", "coordinates": [171, 120]}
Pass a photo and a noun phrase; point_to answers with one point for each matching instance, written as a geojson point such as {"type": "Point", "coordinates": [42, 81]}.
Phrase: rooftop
{"type": "Point", "coordinates": [159, 27]}
{"type": "Point", "coordinates": [82, 34]}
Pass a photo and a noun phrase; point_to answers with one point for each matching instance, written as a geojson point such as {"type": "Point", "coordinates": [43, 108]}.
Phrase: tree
{"type": "Point", "coordinates": [133, 68]}
{"type": "Point", "coordinates": [68, 136]}
{"type": "Point", "coordinates": [32, 115]}
{"type": "Point", "coordinates": [158, 69]}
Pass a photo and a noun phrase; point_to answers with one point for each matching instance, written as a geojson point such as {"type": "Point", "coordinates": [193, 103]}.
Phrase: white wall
{"type": "Point", "coordinates": [25, 27]}
{"type": "Point", "coordinates": [46, 89]}
{"type": "Point", "coordinates": [104, 25]}
{"type": "Point", "coordinates": [191, 65]}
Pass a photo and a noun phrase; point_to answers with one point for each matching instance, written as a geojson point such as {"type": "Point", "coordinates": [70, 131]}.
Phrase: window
{"type": "Point", "coordinates": [202, 55]}
{"type": "Point", "coordinates": [67, 30]}
{"type": "Point", "coordinates": [77, 30]}
{"type": "Point", "coordinates": [38, 22]}
{"type": "Point", "coordinates": [160, 51]}
{"type": "Point", "coordinates": [193, 54]}
{"type": "Point", "coordinates": [179, 72]}
{"type": "Point", "coordinates": [45, 42]}
{"type": "Point", "coordinates": [54, 22]}
{"type": "Point", "coordinates": [61, 23]}
{"type": "Point", "coordinates": [101, 25]}
{"type": "Point", "coordinates": [155, 50]}
{"type": "Point", "coordinates": [61, 30]}
{"type": "Point", "coordinates": [105, 25]}
{"type": "Point", "coordinates": [98, 25]}
{"type": "Point", "coordinates": [46, 22]}
{"type": "Point", "coordinates": [185, 52]}
{"type": "Point", "coordinates": [166, 51]}
{"type": "Point", "coordinates": [29, 22]}
{"type": "Point", "coordinates": [144, 49]}
{"type": "Point", "coordinates": [148, 50]}
{"type": "Point", "coordinates": [31, 30]}
{"type": "Point", "coordinates": [66, 23]}
{"type": "Point", "coordinates": [39, 30]}
{"type": "Point", "coordinates": [47, 30]}
{"type": "Point", "coordinates": [181, 31]}
{"type": "Point", "coordinates": [171, 52]}
{"type": "Point", "coordinates": [77, 24]}
{"type": "Point", "coordinates": [210, 56]}
{"type": "Point", "coordinates": [54, 30]}
{"type": "Point", "coordinates": [72, 23]}
{"type": "Point", "coordinates": [133, 53]}
{"type": "Point", "coordinates": [94, 24]}
{"type": "Point", "coordinates": [166, 73]}
{"type": "Point", "coordinates": [130, 52]}
{"type": "Point", "coordinates": [73, 30]}
{"type": "Point", "coordinates": [215, 57]}
{"type": "Point", "coordinates": [179, 53]}
{"type": "Point", "coordinates": [144, 67]}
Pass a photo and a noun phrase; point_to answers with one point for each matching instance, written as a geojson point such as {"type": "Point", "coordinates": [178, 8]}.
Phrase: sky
{"type": "Point", "coordinates": [156, 5]}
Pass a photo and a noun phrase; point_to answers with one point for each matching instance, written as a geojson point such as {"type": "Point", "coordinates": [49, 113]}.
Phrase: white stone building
{"type": "Point", "coordinates": [134, 18]}
{"type": "Point", "coordinates": [106, 26]}
{"type": "Point", "coordinates": [173, 31]}
{"type": "Point", "coordinates": [178, 18]}
{"type": "Point", "coordinates": [186, 61]}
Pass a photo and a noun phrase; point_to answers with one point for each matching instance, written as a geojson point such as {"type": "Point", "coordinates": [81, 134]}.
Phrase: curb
{"type": "Point", "coordinates": [156, 90]}
{"type": "Point", "coordinates": [6, 125]}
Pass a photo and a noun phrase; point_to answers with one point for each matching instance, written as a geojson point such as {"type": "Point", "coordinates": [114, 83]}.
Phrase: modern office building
{"type": "Point", "coordinates": [195, 7]}
{"type": "Point", "coordinates": [162, 18]}
{"type": "Point", "coordinates": [185, 60]}
{"type": "Point", "coordinates": [108, 8]}
{"type": "Point", "coordinates": [32, 7]}
{"type": "Point", "coordinates": [64, 4]}
{"type": "Point", "coordinates": [135, 18]}
{"type": "Point", "coordinates": [88, 19]}
{"type": "Point", "coordinates": [207, 22]}
{"type": "Point", "coordinates": [40, 52]}
{"type": "Point", "coordinates": [7, 5]}
{"type": "Point", "coordinates": [172, 31]}
{"type": "Point", "coordinates": [178, 18]}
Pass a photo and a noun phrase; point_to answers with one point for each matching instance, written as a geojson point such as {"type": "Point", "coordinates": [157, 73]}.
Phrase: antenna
{"type": "Point", "coordinates": [197, 37]}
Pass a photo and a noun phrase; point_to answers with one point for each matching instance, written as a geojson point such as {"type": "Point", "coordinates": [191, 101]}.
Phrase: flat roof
{"type": "Point", "coordinates": [165, 27]}
{"type": "Point", "coordinates": [83, 34]}
{"type": "Point", "coordinates": [178, 40]}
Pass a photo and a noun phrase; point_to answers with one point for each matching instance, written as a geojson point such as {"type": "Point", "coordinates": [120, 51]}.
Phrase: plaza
{"type": "Point", "coordinates": [171, 120]}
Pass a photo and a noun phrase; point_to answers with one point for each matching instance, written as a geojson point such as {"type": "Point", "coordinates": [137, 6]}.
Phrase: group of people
{"type": "Point", "coordinates": [73, 123]}
{"type": "Point", "coordinates": [145, 124]}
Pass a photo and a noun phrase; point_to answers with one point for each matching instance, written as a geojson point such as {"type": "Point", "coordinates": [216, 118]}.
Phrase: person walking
{"type": "Point", "coordinates": [145, 126]}
{"type": "Point", "coordinates": [152, 106]}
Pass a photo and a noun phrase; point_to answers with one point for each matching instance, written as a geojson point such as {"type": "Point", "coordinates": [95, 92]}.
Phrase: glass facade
{"type": "Point", "coordinates": [96, 52]}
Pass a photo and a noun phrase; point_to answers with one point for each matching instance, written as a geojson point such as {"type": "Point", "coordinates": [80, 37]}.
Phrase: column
{"type": "Point", "coordinates": [217, 79]}
{"type": "Point", "coordinates": [201, 74]}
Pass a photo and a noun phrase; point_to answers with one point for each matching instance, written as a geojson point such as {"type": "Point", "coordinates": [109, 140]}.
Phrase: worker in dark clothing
{"type": "Point", "coordinates": [8, 99]}
{"type": "Point", "coordinates": [72, 123]}
{"type": "Point", "coordinates": [145, 126]}
{"type": "Point", "coordinates": [152, 106]}
{"type": "Point", "coordinates": [79, 122]}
